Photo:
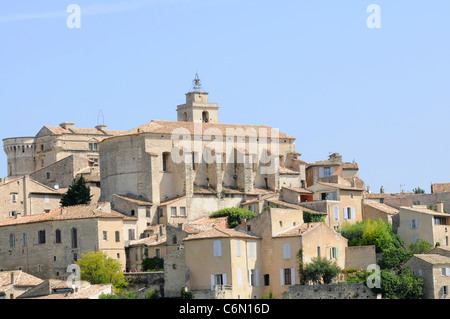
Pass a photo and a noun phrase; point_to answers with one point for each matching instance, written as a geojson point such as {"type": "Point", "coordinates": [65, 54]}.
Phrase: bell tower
{"type": "Point", "coordinates": [197, 108]}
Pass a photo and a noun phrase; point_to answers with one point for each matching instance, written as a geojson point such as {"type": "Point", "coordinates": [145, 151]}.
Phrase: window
{"type": "Point", "coordinates": [413, 223]}
{"type": "Point", "coordinates": [286, 250]}
{"type": "Point", "coordinates": [24, 239]}
{"type": "Point", "coordinates": [58, 236]}
{"type": "Point", "coordinates": [173, 211]}
{"type": "Point", "coordinates": [336, 212]}
{"type": "Point", "coordinates": [75, 257]}
{"type": "Point", "coordinates": [12, 240]}
{"type": "Point", "coordinates": [349, 213]}
{"type": "Point", "coordinates": [174, 240]}
{"type": "Point", "coordinates": [46, 199]}
{"type": "Point", "coordinates": [14, 197]}
{"type": "Point", "coordinates": [446, 271]}
{"type": "Point", "coordinates": [266, 280]}
{"type": "Point", "coordinates": [329, 196]}
{"type": "Point", "coordinates": [318, 251]}
{"type": "Point", "coordinates": [117, 233]}
{"type": "Point", "coordinates": [333, 253]}
{"type": "Point", "coordinates": [182, 211]}
{"type": "Point", "coordinates": [74, 238]}
{"type": "Point", "coordinates": [42, 147]}
{"type": "Point", "coordinates": [253, 277]}
{"type": "Point", "coordinates": [147, 212]}
{"type": "Point", "coordinates": [445, 290]}
{"type": "Point", "coordinates": [157, 252]}
{"type": "Point", "coordinates": [205, 117]}
{"type": "Point", "coordinates": [217, 248]}
{"type": "Point", "coordinates": [93, 146]}
{"type": "Point", "coordinates": [165, 159]}
{"type": "Point", "coordinates": [351, 195]}
{"type": "Point", "coordinates": [252, 248]}
{"type": "Point", "coordinates": [41, 237]}
{"type": "Point", "coordinates": [131, 235]}
{"type": "Point", "coordinates": [325, 171]}
{"type": "Point", "coordinates": [287, 276]}
{"type": "Point", "coordinates": [47, 175]}
{"type": "Point", "coordinates": [132, 212]}
{"type": "Point", "coordinates": [105, 235]}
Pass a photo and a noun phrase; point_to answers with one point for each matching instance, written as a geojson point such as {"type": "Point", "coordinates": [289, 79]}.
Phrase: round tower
{"type": "Point", "coordinates": [20, 153]}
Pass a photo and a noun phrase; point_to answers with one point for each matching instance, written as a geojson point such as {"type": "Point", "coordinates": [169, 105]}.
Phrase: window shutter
{"type": "Point", "coordinates": [282, 277]}
{"type": "Point", "coordinates": [212, 282]}
{"type": "Point", "coordinates": [286, 250]}
{"type": "Point", "coordinates": [292, 276]}
{"type": "Point", "coordinates": [320, 172]}
{"type": "Point", "coordinates": [249, 277]}
{"type": "Point", "coordinates": [447, 271]}
{"type": "Point", "coordinates": [336, 212]}
{"type": "Point", "coordinates": [224, 277]}
{"type": "Point", "coordinates": [353, 213]}
{"type": "Point", "coordinates": [239, 277]}
{"type": "Point", "coordinates": [337, 250]}
{"type": "Point", "coordinates": [238, 248]}
{"type": "Point", "coordinates": [257, 277]}
{"type": "Point", "coordinates": [345, 212]}
{"type": "Point", "coordinates": [411, 224]}
{"type": "Point", "coordinates": [252, 249]}
{"type": "Point", "coordinates": [217, 248]}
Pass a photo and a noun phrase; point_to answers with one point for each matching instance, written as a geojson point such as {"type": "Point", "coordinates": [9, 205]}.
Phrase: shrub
{"type": "Point", "coordinates": [310, 217]}
{"type": "Point", "coordinates": [154, 263]}
{"type": "Point", "coordinates": [321, 269]}
{"type": "Point", "coordinates": [186, 294]}
{"type": "Point", "coordinates": [152, 294]}
{"type": "Point", "coordinates": [234, 214]}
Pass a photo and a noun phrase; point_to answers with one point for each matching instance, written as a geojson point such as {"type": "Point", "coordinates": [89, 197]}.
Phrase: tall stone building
{"type": "Point", "coordinates": [198, 162]}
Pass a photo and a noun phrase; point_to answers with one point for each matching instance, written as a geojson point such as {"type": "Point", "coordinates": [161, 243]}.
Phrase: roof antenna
{"type": "Point", "coordinates": [100, 116]}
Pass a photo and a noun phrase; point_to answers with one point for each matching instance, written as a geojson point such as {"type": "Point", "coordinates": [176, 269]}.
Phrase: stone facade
{"type": "Point", "coordinates": [360, 257]}
{"type": "Point", "coordinates": [45, 245]}
{"type": "Point", "coordinates": [24, 196]}
{"type": "Point", "coordinates": [337, 291]}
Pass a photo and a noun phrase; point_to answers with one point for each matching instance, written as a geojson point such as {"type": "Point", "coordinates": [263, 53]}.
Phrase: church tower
{"type": "Point", "coordinates": [197, 108]}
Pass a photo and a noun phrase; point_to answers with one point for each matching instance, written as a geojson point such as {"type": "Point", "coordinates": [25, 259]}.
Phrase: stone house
{"type": "Point", "coordinates": [434, 269]}
{"type": "Point", "coordinates": [45, 245]}
{"type": "Point", "coordinates": [24, 196]}
{"type": "Point", "coordinates": [152, 246]}
{"type": "Point", "coordinates": [14, 283]}
{"type": "Point", "coordinates": [419, 222]}
{"type": "Point", "coordinates": [331, 170]}
{"type": "Point", "coordinates": [51, 144]}
{"type": "Point", "coordinates": [375, 210]}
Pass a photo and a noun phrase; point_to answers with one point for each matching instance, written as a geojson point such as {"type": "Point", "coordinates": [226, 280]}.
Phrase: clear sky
{"type": "Point", "coordinates": [312, 69]}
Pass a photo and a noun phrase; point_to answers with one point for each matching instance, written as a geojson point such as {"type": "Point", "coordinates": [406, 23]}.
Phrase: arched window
{"type": "Point", "coordinates": [205, 117]}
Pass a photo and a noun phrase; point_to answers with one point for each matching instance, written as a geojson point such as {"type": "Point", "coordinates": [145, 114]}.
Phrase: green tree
{"type": "Point", "coordinates": [186, 294]}
{"type": "Point", "coordinates": [152, 294]}
{"type": "Point", "coordinates": [420, 247]}
{"type": "Point", "coordinates": [394, 258]}
{"type": "Point", "coordinates": [371, 232]}
{"type": "Point", "coordinates": [97, 268]}
{"type": "Point", "coordinates": [401, 285]}
{"type": "Point", "coordinates": [418, 190]}
{"type": "Point", "coordinates": [77, 194]}
{"type": "Point", "coordinates": [234, 214]}
{"type": "Point", "coordinates": [153, 263]}
{"type": "Point", "coordinates": [321, 269]}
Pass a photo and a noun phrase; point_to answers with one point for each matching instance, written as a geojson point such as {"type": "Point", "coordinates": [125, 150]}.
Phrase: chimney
{"type": "Point", "coordinates": [440, 207]}
{"type": "Point", "coordinates": [67, 125]}
{"type": "Point", "coordinates": [244, 224]}
{"type": "Point", "coordinates": [382, 190]}
{"type": "Point", "coordinates": [353, 182]}
{"type": "Point", "coordinates": [101, 127]}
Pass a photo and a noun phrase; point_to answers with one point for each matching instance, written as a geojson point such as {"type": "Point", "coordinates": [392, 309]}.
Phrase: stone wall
{"type": "Point", "coordinates": [145, 281]}
{"type": "Point", "coordinates": [360, 257]}
{"type": "Point", "coordinates": [337, 291]}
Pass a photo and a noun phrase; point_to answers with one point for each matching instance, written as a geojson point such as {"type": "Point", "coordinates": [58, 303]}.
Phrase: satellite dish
{"type": "Point", "coordinates": [56, 186]}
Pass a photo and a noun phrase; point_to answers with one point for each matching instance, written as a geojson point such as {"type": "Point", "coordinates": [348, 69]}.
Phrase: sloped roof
{"type": "Point", "coordinates": [298, 230]}
{"type": "Point", "coordinates": [20, 279]}
{"type": "Point", "coordinates": [221, 233]}
{"type": "Point", "coordinates": [169, 127]}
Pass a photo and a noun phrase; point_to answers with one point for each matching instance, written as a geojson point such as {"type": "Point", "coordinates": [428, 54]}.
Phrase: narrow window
{"type": "Point", "coordinates": [105, 235]}
{"type": "Point", "coordinates": [173, 211]}
{"type": "Point", "coordinates": [58, 236]}
{"type": "Point", "coordinates": [117, 236]}
{"type": "Point", "coordinates": [205, 117]}
{"type": "Point", "coordinates": [165, 159]}
{"type": "Point", "coordinates": [182, 211]}
{"type": "Point", "coordinates": [12, 240]}
{"type": "Point", "coordinates": [217, 248]}
{"type": "Point", "coordinates": [74, 238]}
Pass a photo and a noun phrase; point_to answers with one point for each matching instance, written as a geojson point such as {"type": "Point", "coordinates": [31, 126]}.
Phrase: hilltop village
{"type": "Point", "coordinates": [154, 189]}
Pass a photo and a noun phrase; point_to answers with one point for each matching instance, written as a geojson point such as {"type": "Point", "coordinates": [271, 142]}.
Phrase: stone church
{"type": "Point", "coordinates": [196, 165]}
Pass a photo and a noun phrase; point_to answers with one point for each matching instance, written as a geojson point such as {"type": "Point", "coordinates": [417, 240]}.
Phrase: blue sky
{"type": "Point", "coordinates": [312, 69]}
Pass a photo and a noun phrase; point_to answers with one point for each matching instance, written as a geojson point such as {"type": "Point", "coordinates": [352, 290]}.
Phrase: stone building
{"type": "Point", "coordinates": [45, 245]}
{"type": "Point", "coordinates": [51, 144]}
{"type": "Point", "coordinates": [191, 167]}
{"type": "Point", "coordinates": [24, 196]}
{"type": "Point", "coordinates": [418, 222]}
{"type": "Point", "coordinates": [434, 269]}
{"type": "Point", "coordinates": [14, 283]}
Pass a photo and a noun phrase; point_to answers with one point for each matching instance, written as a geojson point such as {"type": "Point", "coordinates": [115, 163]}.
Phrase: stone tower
{"type": "Point", "coordinates": [197, 108]}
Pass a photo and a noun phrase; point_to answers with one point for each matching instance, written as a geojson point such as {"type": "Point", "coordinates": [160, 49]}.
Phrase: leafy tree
{"type": "Point", "coordinates": [310, 217]}
{"type": "Point", "coordinates": [394, 258]}
{"type": "Point", "coordinates": [321, 269]}
{"type": "Point", "coordinates": [152, 294]}
{"type": "Point", "coordinates": [402, 285]}
{"type": "Point", "coordinates": [186, 294]}
{"type": "Point", "coordinates": [418, 190]}
{"type": "Point", "coordinates": [420, 247]}
{"type": "Point", "coordinates": [234, 214]}
{"type": "Point", "coordinates": [154, 263]}
{"type": "Point", "coordinates": [97, 268]}
{"type": "Point", "coordinates": [371, 232]}
{"type": "Point", "coordinates": [77, 194]}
